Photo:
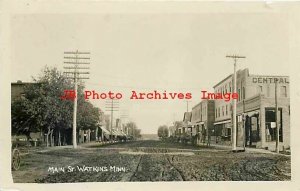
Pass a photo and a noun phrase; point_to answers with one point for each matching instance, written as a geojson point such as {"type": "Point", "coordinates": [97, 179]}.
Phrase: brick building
{"type": "Point", "coordinates": [256, 125]}
{"type": "Point", "coordinates": [221, 132]}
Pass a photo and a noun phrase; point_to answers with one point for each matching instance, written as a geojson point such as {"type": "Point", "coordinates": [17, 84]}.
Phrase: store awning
{"type": "Point", "coordinates": [222, 122]}
{"type": "Point", "coordinates": [198, 123]}
{"type": "Point", "coordinates": [105, 131]}
{"type": "Point", "coordinates": [124, 134]}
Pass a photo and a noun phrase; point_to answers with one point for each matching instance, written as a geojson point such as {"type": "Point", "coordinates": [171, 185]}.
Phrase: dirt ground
{"type": "Point", "coordinates": [149, 161]}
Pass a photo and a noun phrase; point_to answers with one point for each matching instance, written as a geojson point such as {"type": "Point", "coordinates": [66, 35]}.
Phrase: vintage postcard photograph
{"type": "Point", "coordinates": [151, 96]}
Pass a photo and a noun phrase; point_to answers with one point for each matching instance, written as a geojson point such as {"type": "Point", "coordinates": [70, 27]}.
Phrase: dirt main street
{"type": "Point", "coordinates": [149, 161]}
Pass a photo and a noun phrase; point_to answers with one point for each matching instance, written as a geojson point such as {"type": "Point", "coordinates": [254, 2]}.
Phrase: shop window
{"type": "Point", "coordinates": [226, 131]}
{"type": "Point", "coordinates": [270, 123]}
{"type": "Point", "coordinates": [222, 110]}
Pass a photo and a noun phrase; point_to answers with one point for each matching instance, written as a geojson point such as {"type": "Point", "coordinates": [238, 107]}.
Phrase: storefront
{"type": "Point", "coordinates": [221, 134]}
{"type": "Point", "coordinates": [257, 124]}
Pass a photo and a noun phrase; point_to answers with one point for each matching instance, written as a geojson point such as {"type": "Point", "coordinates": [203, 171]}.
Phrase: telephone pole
{"type": "Point", "coordinates": [187, 106]}
{"type": "Point", "coordinates": [74, 71]}
{"type": "Point", "coordinates": [111, 105]}
{"type": "Point", "coordinates": [124, 116]}
{"type": "Point", "coordinates": [276, 118]}
{"type": "Point", "coordinates": [234, 133]}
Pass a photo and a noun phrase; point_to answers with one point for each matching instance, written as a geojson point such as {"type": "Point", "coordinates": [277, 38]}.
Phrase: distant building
{"type": "Point", "coordinates": [17, 89]}
{"type": "Point", "coordinates": [172, 131]}
{"type": "Point", "coordinates": [178, 128]}
{"type": "Point", "coordinates": [186, 128]}
{"type": "Point", "coordinates": [17, 93]}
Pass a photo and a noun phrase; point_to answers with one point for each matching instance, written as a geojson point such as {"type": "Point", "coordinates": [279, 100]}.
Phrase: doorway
{"type": "Point", "coordinates": [252, 130]}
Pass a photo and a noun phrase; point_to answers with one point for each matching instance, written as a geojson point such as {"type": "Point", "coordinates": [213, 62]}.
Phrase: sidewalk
{"type": "Point", "coordinates": [247, 149]}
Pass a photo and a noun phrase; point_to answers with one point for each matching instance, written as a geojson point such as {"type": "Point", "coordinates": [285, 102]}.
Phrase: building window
{"type": "Point", "coordinates": [268, 91]}
{"type": "Point", "coordinates": [270, 124]}
{"type": "Point", "coordinates": [226, 109]}
{"type": "Point", "coordinates": [226, 131]}
{"type": "Point", "coordinates": [219, 112]}
{"type": "Point", "coordinates": [283, 91]}
{"type": "Point", "coordinates": [260, 89]}
{"type": "Point", "coordinates": [239, 93]}
{"type": "Point", "coordinates": [222, 110]}
{"type": "Point", "coordinates": [216, 113]}
{"type": "Point", "coordinates": [244, 94]}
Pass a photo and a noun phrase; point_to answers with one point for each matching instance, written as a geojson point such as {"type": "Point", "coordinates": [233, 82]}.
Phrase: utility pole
{"type": "Point", "coordinates": [243, 117]}
{"type": "Point", "coordinates": [276, 118]}
{"type": "Point", "coordinates": [111, 106]}
{"type": "Point", "coordinates": [234, 133]}
{"type": "Point", "coordinates": [74, 71]}
{"type": "Point", "coordinates": [187, 106]}
{"type": "Point", "coordinates": [124, 116]}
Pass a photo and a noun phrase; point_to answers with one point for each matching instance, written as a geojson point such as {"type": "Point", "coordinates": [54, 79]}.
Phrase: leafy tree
{"type": "Point", "coordinates": [133, 130]}
{"type": "Point", "coordinates": [42, 108]}
{"type": "Point", "coordinates": [163, 131]}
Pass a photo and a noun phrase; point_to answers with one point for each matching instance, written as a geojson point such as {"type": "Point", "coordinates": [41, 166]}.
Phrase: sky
{"type": "Point", "coordinates": [146, 52]}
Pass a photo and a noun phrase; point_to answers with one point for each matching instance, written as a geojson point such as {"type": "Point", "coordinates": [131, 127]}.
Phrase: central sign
{"type": "Point", "coordinates": [266, 80]}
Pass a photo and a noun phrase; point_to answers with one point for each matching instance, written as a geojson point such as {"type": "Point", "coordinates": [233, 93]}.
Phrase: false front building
{"type": "Point", "coordinates": [256, 120]}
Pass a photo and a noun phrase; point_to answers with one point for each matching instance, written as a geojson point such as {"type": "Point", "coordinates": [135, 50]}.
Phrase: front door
{"type": "Point", "coordinates": [252, 130]}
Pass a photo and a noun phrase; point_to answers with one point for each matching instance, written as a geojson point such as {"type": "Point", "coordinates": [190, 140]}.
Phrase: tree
{"type": "Point", "coordinates": [133, 130]}
{"type": "Point", "coordinates": [163, 131]}
{"type": "Point", "coordinates": [43, 110]}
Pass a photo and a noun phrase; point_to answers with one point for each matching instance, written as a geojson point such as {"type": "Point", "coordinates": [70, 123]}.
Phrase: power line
{"type": "Point", "coordinates": [75, 74]}
{"type": "Point", "coordinates": [187, 105]}
{"type": "Point", "coordinates": [111, 105]}
{"type": "Point", "coordinates": [140, 87]}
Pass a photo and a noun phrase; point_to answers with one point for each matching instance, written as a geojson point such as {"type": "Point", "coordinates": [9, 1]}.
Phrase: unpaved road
{"type": "Point", "coordinates": [149, 161]}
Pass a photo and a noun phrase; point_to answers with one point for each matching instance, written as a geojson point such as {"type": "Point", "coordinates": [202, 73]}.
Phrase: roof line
{"type": "Point", "coordinates": [222, 81]}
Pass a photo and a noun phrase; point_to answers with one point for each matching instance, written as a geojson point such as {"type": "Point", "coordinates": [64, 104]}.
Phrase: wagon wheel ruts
{"type": "Point", "coordinates": [16, 160]}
